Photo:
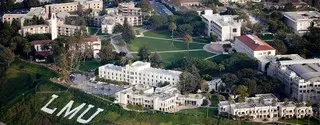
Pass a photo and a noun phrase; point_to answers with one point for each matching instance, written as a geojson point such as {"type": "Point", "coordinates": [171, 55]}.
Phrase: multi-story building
{"type": "Point", "coordinates": [300, 77]}
{"type": "Point", "coordinates": [53, 28]}
{"type": "Point", "coordinates": [237, 1]}
{"type": "Point", "coordinates": [188, 2]}
{"type": "Point", "coordinates": [34, 29]}
{"type": "Point", "coordinates": [43, 47]}
{"type": "Point", "coordinates": [225, 27]}
{"type": "Point", "coordinates": [165, 99]}
{"type": "Point", "coordinates": [34, 11]}
{"type": "Point", "coordinates": [300, 21]}
{"type": "Point", "coordinates": [74, 6]}
{"type": "Point", "coordinates": [253, 46]}
{"type": "Point", "coordinates": [128, 9]}
{"type": "Point", "coordinates": [139, 73]}
{"type": "Point", "coordinates": [264, 107]}
{"type": "Point", "coordinates": [65, 30]}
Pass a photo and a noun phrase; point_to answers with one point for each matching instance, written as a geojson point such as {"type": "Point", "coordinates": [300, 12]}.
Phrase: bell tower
{"type": "Point", "coordinates": [53, 26]}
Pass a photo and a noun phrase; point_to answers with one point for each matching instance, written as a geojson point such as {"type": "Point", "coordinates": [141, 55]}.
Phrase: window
{"type": "Point", "coordinates": [234, 30]}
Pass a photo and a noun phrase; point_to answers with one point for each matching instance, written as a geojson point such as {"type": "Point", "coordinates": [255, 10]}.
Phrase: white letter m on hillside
{"type": "Point", "coordinates": [73, 112]}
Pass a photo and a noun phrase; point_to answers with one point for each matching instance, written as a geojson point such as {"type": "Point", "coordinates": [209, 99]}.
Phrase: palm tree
{"type": "Point", "coordinates": [172, 27]}
{"type": "Point", "coordinates": [208, 96]}
{"type": "Point", "coordinates": [188, 40]}
{"type": "Point", "coordinates": [221, 67]}
{"type": "Point", "coordinates": [123, 60]}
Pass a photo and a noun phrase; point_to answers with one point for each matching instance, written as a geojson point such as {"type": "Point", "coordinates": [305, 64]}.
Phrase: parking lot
{"type": "Point", "coordinates": [161, 9]}
{"type": "Point", "coordinates": [84, 83]}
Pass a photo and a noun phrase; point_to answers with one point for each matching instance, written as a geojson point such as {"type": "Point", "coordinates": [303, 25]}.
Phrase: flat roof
{"type": "Point", "coordinates": [37, 11]}
{"type": "Point", "coordinates": [222, 20]}
{"type": "Point", "coordinates": [302, 15]}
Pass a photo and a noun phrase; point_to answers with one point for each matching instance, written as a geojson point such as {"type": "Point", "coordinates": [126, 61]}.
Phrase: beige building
{"type": "Point", "coordinates": [66, 30]}
{"type": "Point", "coordinates": [74, 6]}
{"type": "Point", "coordinates": [34, 11]}
{"type": "Point", "coordinates": [264, 107]}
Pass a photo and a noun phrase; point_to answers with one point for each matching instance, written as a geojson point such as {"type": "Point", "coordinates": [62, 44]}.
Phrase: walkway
{"type": "Point", "coordinates": [175, 51]}
{"type": "Point", "coordinates": [176, 40]}
{"type": "Point", "coordinates": [211, 57]}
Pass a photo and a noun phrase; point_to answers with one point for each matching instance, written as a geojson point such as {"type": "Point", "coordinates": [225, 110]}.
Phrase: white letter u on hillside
{"type": "Point", "coordinates": [80, 120]}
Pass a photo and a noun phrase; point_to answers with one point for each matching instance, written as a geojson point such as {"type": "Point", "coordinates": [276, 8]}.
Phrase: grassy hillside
{"type": "Point", "coordinates": [23, 103]}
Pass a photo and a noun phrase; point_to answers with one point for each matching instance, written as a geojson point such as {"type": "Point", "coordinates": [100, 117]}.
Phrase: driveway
{"type": "Point", "coordinates": [115, 40]}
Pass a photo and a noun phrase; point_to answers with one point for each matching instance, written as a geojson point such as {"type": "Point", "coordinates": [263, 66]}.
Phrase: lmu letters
{"type": "Point", "coordinates": [71, 112]}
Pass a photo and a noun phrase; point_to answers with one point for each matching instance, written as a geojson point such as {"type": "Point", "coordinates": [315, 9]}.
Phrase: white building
{"type": "Point", "coordinates": [300, 77]}
{"type": "Point", "coordinates": [214, 84]}
{"type": "Point", "coordinates": [165, 99]}
{"type": "Point", "coordinates": [139, 73]}
{"type": "Point", "coordinates": [225, 27]}
{"type": "Point", "coordinates": [253, 46]}
{"type": "Point", "coordinates": [264, 107]}
{"type": "Point", "coordinates": [300, 21]}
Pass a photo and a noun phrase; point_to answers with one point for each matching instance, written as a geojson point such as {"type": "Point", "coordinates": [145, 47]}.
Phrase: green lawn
{"type": "Point", "coordinates": [160, 34]}
{"type": "Point", "coordinates": [160, 45]}
{"type": "Point", "coordinates": [25, 109]}
{"type": "Point", "coordinates": [92, 30]}
{"type": "Point", "coordinates": [305, 121]}
{"type": "Point", "coordinates": [202, 40]}
{"type": "Point", "coordinates": [89, 65]}
{"type": "Point", "coordinates": [220, 58]}
{"type": "Point", "coordinates": [169, 57]}
{"type": "Point", "coordinates": [266, 37]}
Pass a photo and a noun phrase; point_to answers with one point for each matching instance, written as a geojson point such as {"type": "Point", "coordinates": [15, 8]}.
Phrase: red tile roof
{"type": "Point", "coordinates": [44, 53]}
{"type": "Point", "coordinates": [255, 43]}
{"type": "Point", "coordinates": [91, 39]}
{"type": "Point", "coordinates": [36, 42]}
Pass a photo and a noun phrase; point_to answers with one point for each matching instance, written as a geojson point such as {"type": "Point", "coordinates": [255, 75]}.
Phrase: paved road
{"type": "Point", "coordinates": [116, 39]}
{"type": "Point", "coordinates": [83, 82]}
{"type": "Point", "coordinates": [162, 10]}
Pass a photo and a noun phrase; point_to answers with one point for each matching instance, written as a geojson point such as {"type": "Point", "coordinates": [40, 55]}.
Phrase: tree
{"type": "Point", "coordinates": [279, 46]}
{"type": "Point", "coordinates": [128, 33]}
{"type": "Point", "coordinates": [257, 28]}
{"type": "Point", "coordinates": [184, 29]}
{"type": "Point", "coordinates": [157, 20]}
{"type": "Point", "coordinates": [118, 28]}
{"type": "Point", "coordinates": [26, 48]}
{"type": "Point", "coordinates": [33, 3]}
{"type": "Point", "coordinates": [156, 60]}
{"type": "Point", "coordinates": [213, 37]}
{"type": "Point", "coordinates": [243, 92]}
{"type": "Point", "coordinates": [188, 40]}
{"type": "Point", "coordinates": [63, 65]}
{"type": "Point", "coordinates": [172, 27]}
{"type": "Point", "coordinates": [188, 83]}
{"type": "Point", "coordinates": [6, 56]}
{"type": "Point", "coordinates": [286, 101]}
{"type": "Point", "coordinates": [122, 60]}
{"type": "Point", "coordinates": [106, 54]}
{"type": "Point", "coordinates": [208, 96]}
{"type": "Point", "coordinates": [145, 5]}
{"type": "Point", "coordinates": [144, 53]}
{"type": "Point", "coordinates": [221, 67]}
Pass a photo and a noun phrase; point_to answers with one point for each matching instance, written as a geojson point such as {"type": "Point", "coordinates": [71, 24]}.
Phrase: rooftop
{"type": "Point", "coordinates": [36, 11]}
{"type": "Point", "coordinates": [302, 15]}
{"type": "Point", "coordinates": [222, 20]}
{"type": "Point", "coordinates": [254, 42]}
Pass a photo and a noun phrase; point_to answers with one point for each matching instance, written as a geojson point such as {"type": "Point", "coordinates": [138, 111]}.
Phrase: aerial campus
{"type": "Point", "coordinates": [166, 62]}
